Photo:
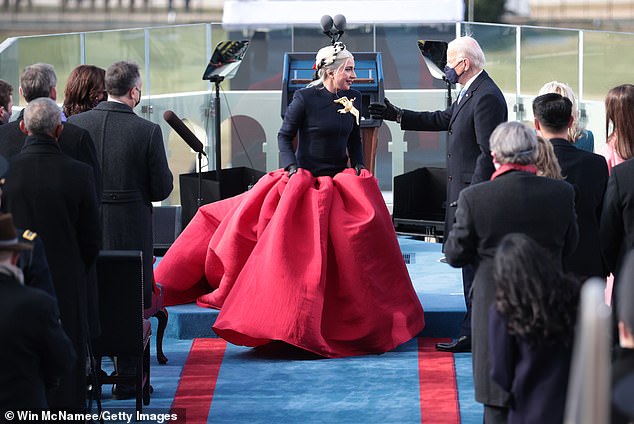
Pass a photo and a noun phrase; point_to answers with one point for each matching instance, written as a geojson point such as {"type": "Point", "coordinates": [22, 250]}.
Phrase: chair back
{"type": "Point", "coordinates": [120, 281]}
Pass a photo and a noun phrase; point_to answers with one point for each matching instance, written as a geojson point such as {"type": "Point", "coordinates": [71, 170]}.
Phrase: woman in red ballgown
{"type": "Point", "coordinates": [309, 255]}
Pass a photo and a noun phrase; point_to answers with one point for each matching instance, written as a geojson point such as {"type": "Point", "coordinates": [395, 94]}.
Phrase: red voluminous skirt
{"type": "Point", "coordinates": [310, 261]}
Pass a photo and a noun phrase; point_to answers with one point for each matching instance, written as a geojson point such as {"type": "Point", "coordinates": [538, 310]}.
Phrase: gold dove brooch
{"type": "Point", "coordinates": [348, 107]}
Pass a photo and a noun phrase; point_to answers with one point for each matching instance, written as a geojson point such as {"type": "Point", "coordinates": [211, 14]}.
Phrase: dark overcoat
{"type": "Point", "coordinates": [54, 195]}
{"type": "Point", "coordinates": [36, 352]}
{"type": "Point", "coordinates": [134, 166]}
{"type": "Point", "coordinates": [617, 218]}
{"type": "Point", "coordinates": [515, 202]}
{"type": "Point", "coordinates": [588, 173]}
{"type": "Point", "coordinates": [73, 141]}
{"type": "Point", "coordinates": [469, 125]}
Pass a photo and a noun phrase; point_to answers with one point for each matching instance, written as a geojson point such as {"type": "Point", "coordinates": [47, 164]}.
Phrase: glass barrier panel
{"type": "Point", "coordinates": [103, 48]}
{"type": "Point", "coordinates": [548, 55]}
{"type": "Point", "coordinates": [607, 62]}
{"type": "Point", "coordinates": [61, 51]}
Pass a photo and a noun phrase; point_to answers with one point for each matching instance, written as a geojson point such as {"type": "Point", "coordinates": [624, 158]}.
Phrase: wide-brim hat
{"type": "Point", "coordinates": [9, 237]}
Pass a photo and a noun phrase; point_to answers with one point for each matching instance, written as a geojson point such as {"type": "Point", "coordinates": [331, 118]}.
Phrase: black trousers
{"type": "Point", "coordinates": [468, 274]}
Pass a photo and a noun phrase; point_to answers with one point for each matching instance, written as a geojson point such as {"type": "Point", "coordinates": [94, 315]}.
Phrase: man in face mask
{"type": "Point", "coordinates": [469, 122]}
{"type": "Point", "coordinates": [135, 174]}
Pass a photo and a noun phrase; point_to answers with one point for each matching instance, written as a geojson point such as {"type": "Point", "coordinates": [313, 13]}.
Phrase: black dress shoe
{"type": "Point", "coordinates": [461, 344]}
{"type": "Point", "coordinates": [122, 392]}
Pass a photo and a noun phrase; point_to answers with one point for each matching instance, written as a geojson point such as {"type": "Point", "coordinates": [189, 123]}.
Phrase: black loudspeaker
{"type": "Point", "coordinates": [420, 199]}
{"type": "Point", "coordinates": [233, 181]}
{"type": "Point", "coordinates": [166, 226]}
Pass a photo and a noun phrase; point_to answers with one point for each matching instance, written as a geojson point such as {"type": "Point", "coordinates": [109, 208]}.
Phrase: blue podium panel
{"type": "Point", "coordinates": [298, 73]}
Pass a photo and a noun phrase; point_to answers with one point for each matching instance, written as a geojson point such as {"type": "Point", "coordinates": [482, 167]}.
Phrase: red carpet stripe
{"type": "Point", "coordinates": [437, 378]}
{"type": "Point", "coordinates": [198, 380]}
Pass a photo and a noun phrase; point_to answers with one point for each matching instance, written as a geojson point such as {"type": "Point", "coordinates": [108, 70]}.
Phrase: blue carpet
{"type": "Point", "coordinates": [264, 386]}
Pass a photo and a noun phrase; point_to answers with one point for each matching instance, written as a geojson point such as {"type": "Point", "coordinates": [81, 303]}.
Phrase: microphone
{"type": "Point", "coordinates": [326, 24]}
{"type": "Point", "coordinates": [340, 22]}
{"type": "Point", "coordinates": [181, 129]}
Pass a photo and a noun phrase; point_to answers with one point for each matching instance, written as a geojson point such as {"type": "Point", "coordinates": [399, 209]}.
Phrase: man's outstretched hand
{"type": "Point", "coordinates": [386, 111]}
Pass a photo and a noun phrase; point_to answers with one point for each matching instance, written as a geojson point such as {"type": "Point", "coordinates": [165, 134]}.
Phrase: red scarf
{"type": "Point", "coordinates": [503, 169]}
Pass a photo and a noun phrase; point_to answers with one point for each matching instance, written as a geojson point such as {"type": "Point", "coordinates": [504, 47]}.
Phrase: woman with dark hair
{"type": "Point", "coordinates": [531, 330]}
{"type": "Point", "coordinates": [619, 125]}
{"type": "Point", "coordinates": [85, 88]}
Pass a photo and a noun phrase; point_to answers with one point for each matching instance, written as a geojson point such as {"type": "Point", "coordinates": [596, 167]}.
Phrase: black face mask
{"type": "Point", "coordinates": [452, 75]}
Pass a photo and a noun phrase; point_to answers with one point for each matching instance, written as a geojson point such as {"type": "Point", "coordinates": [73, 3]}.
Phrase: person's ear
{"type": "Point", "coordinates": [53, 94]}
{"type": "Point", "coordinates": [57, 132]}
{"type": "Point", "coordinates": [538, 127]}
{"type": "Point", "coordinates": [572, 120]}
{"type": "Point", "coordinates": [23, 127]}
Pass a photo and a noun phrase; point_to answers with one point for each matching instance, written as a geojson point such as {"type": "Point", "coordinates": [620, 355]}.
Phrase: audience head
{"type": "Point", "coordinates": [513, 142]}
{"type": "Point", "coordinates": [123, 82]}
{"type": "Point", "coordinates": [331, 61]}
{"type": "Point", "coordinates": [564, 90]}
{"type": "Point", "coordinates": [85, 88]}
{"type": "Point", "coordinates": [625, 302]}
{"type": "Point", "coordinates": [537, 299]}
{"type": "Point", "coordinates": [619, 119]}
{"type": "Point", "coordinates": [10, 246]}
{"type": "Point", "coordinates": [547, 163]}
{"type": "Point", "coordinates": [6, 101]}
{"type": "Point", "coordinates": [42, 117]}
{"type": "Point", "coordinates": [553, 115]}
{"type": "Point", "coordinates": [38, 80]}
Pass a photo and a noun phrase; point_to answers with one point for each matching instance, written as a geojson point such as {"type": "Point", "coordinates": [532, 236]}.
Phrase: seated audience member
{"type": "Point", "coordinates": [531, 329]}
{"type": "Point", "coordinates": [623, 364]}
{"type": "Point", "coordinates": [6, 101]}
{"type": "Point", "coordinates": [35, 352]}
{"type": "Point", "coordinates": [546, 162]}
{"type": "Point", "coordinates": [581, 138]}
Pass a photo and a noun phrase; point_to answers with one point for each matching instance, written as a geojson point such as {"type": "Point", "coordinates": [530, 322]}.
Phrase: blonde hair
{"type": "Point", "coordinates": [330, 58]}
{"type": "Point", "coordinates": [564, 90]}
{"type": "Point", "coordinates": [547, 163]}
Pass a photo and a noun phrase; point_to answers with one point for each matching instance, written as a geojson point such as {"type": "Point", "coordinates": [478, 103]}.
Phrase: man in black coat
{"type": "Point", "coordinates": [586, 171]}
{"type": "Point", "coordinates": [54, 195]}
{"type": "Point", "coordinates": [469, 122]}
{"type": "Point", "coordinates": [36, 352]}
{"type": "Point", "coordinates": [133, 164]}
{"type": "Point", "coordinates": [135, 174]}
{"type": "Point", "coordinates": [40, 80]}
{"type": "Point", "coordinates": [515, 201]}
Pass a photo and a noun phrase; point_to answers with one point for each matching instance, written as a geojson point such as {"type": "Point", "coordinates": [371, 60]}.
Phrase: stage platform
{"type": "Point", "coordinates": [438, 285]}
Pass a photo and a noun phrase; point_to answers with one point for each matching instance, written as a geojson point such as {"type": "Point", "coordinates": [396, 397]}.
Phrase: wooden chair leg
{"type": "Point", "coordinates": [162, 317]}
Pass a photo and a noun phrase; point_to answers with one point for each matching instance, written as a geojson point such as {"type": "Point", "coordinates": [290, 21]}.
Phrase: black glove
{"type": "Point", "coordinates": [358, 167]}
{"type": "Point", "coordinates": [386, 111]}
{"type": "Point", "coordinates": [292, 169]}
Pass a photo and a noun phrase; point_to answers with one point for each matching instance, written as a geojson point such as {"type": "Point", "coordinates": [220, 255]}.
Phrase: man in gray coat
{"type": "Point", "coordinates": [133, 163]}
{"type": "Point", "coordinates": [516, 200]}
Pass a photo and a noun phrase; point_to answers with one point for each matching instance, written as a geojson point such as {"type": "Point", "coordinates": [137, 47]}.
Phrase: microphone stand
{"type": "Point", "coordinates": [217, 79]}
{"type": "Point", "coordinates": [448, 91]}
{"type": "Point", "coordinates": [199, 200]}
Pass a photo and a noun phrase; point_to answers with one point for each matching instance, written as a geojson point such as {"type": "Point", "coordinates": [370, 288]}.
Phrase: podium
{"type": "Point", "coordinates": [298, 73]}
